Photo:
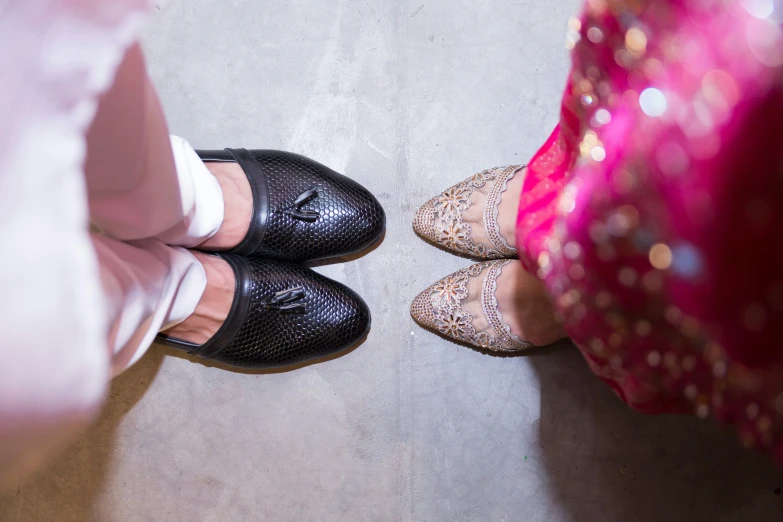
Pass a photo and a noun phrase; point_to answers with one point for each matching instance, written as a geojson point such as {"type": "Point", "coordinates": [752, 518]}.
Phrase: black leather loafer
{"type": "Point", "coordinates": [302, 210]}
{"type": "Point", "coordinates": [282, 314]}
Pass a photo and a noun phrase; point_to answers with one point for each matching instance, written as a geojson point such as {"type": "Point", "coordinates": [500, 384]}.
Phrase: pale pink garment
{"type": "Point", "coordinates": [79, 307]}
{"type": "Point", "coordinates": [143, 198]}
{"type": "Point", "coordinates": [654, 212]}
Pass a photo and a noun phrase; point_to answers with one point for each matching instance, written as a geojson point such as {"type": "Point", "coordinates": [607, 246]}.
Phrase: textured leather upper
{"type": "Point", "coordinates": [349, 218]}
{"type": "Point", "coordinates": [257, 335]}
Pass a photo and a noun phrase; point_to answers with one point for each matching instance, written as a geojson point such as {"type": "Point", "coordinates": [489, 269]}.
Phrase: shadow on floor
{"type": "Point", "coordinates": [68, 488]}
{"type": "Point", "coordinates": [610, 463]}
{"type": "Point", "coordinates": [179, 354]}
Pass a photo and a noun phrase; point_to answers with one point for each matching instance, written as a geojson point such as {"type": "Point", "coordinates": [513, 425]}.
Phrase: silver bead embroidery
{"type": "Point", "coordinates": [441, 307]}
{"type": "Point", "coordinates": [441, 221]}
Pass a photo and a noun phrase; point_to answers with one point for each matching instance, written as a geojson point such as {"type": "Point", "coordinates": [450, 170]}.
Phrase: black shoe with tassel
{"type": "Point", "coordinates": [283, 314]}
{"type": "Point", "coordinates": [302, 210]}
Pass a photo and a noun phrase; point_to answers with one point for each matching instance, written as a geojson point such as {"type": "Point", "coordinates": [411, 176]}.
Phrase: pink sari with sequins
{"type": "Point", "coordinates": [654, 212]}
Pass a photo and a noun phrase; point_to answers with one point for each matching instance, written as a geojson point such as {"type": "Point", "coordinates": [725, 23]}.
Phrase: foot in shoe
{"type": "Point", "coordinates": [238, 205]}
{"type": "Point", "coordinates": [285, 206]}
{"type": "Point", "coordinates": [476, 217]}
{"type": "Point", "coordinates": [494, 305]}
{"type": "Point", "coordinates": [258, 313]}
{"type": "Point", "coordinates": [215, 303]}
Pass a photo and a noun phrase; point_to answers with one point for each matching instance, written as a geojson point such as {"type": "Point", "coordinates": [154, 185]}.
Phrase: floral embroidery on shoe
{"type": "Point", "coordinates": [454, 324]}
{"type": "Point", "coordinates": [455, 235]}
{"type": "Point", "coordinates": [480, 178]}
{"type": "Point", "coordinates": [442, 309]}
{"type": "Point", "coordinates": [451, 289]}
{"type": "Point", "coordinates": [441, 218]}
{"type": "Point", "coordinates": [455, 199]}
{"type": "Point", "coordinates": [484, 340]}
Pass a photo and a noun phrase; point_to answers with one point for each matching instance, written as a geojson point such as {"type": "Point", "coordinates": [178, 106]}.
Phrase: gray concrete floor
{"type": "Point", "coordinates": [408, 97]}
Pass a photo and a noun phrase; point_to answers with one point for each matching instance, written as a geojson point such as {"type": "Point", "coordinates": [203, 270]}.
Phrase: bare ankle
{"type": "Point", "coordinates": [238, 204]}
{"type": "Point", "coordinates": [215, 303]}
{"type": "Point", "coordinates": [509, 208]}
{"type": "Point", "coordinates": [526, 307]}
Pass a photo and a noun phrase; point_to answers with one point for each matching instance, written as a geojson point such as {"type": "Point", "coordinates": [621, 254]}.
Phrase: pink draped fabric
{"type": "Point", "coordinates": [654, 212]}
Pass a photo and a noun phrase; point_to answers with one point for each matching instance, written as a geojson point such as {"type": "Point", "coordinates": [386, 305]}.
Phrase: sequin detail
{"type": "Point", "coordinates": [442, 307]}
{"type": "Point", "coordinates": [441, 221]}
{"type": "Point", "coordinates": [489, 303]}
{"type": "Point", "coordinates": [623, 214]}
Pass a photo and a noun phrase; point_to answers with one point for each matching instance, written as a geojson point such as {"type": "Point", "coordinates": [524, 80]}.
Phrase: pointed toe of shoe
{"type": "Point", "coordinates": [349, 218]}
{"type": "Point", "coordinates": [303, 210]}
{"type": "Point", "coordinates": [368, 223]}
{"type": "Point", "coordinates": [422, 310]}
{"type": "Point", "coordinates": [351, 320]}
{"type": "Point", "coordinates": [329, 317]}
{"type": "Point", "coordinates": [424, 221]}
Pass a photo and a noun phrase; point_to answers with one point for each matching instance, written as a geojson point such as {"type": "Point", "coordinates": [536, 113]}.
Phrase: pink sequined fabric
{"type": "Point", "coordinates": [654, 212]}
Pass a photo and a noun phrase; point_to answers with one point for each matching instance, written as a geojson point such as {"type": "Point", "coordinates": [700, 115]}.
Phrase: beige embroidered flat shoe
{"type": "Point", "coordinates": [464, 218]}
{"type": "Point", "coordinates": [463, 306]}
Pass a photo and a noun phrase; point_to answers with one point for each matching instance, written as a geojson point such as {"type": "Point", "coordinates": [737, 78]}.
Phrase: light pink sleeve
{"type": "Point", "coordinates": [56, 57]}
